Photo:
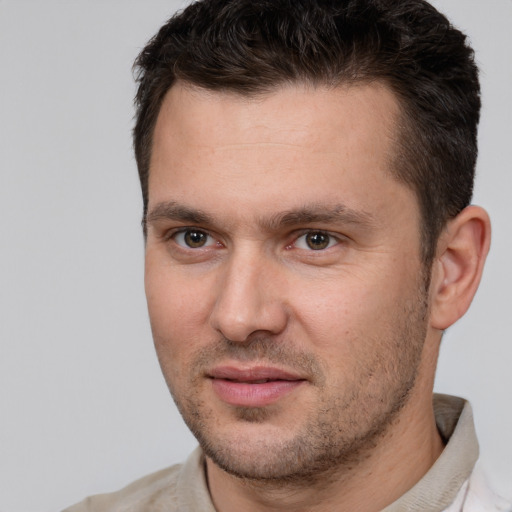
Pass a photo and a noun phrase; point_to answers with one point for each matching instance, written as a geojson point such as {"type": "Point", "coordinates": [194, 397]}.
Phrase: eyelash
{"type": "Point", "coordinates": [332, 240]}
{"type": "Point", "coordinates": [183, 232]}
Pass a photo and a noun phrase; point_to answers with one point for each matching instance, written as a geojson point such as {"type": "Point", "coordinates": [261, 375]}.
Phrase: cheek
{"type": "Point", "coordinates": [344, 319]}
{"type": "Point", "coordinates": [178, 311]}
{"type": "Point", "coordinates": [336, 306]}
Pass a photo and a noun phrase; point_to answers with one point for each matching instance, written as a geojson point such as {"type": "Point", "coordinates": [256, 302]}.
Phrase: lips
{"type": "Point", "coordinates": [254, 386]}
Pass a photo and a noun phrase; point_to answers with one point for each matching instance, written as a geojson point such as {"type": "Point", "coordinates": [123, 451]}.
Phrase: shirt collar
{"type": "Point", "coordinates": [433, 493]}
{"type": "Point", "coordinates": [441, 484]}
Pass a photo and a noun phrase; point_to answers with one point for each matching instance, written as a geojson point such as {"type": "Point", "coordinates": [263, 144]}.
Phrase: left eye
{"type": "Point", "coordinates": [315, 240]}
{"type": "Point", "coordinates": [193, 239]}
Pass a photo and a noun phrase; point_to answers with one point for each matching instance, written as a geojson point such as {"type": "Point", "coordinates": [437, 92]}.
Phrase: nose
{"type": "Point", "coordinates": [250, 298]}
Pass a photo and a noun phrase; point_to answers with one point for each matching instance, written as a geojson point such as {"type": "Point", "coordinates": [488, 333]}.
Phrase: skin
{"type": "Point", "coordinates": [240, 191]}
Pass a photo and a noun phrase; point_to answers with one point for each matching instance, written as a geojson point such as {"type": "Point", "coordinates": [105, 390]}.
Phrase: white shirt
{"type": "Point", "coordinates": [476, 496]}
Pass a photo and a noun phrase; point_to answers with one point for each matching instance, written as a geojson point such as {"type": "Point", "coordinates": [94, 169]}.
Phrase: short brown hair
{"type": "Point", "coordinates": [253, 46]}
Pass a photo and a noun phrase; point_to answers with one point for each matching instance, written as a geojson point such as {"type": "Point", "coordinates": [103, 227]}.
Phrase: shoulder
{"type": "Point", "coordinates": [174, 489]}
{"type": "Point", "coordinates": [148, 491]}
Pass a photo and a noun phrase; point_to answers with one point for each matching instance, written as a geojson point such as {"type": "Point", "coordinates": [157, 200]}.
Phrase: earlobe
{"type": "Point", "coordinates": [461, 252]}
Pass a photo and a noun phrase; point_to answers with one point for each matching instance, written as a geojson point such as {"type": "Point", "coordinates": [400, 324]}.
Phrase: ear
{"type": "Point", "coordinates": [457, 269]}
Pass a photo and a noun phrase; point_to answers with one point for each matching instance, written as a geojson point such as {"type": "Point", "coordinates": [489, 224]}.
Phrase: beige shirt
{"type": "Point", "coordinates": [451, 484]}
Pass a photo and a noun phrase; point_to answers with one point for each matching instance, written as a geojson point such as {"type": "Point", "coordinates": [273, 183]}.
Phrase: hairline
{"type": "Point", "coordinates": [401, 134]}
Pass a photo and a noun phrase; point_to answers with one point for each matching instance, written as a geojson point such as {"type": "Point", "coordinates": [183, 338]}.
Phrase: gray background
{"type": "Point", "coordinates": [83, 406]}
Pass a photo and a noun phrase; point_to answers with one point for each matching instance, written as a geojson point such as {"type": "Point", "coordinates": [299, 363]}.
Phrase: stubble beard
{"type": "Point", "coordinates": [339, 432]}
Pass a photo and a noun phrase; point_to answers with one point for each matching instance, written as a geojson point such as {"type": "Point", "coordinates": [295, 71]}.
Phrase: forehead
{"type": "Point", "coordinates": [295, 144]}
{"type": "Point", "coordinates": [310, 117]}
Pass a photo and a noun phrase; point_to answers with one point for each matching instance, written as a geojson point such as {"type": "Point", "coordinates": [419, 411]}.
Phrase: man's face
{"type": "Point", "coordinates": [283, 274]}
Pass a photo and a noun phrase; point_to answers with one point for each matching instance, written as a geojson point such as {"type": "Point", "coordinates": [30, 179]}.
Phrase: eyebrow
{"type": "Point", "coordinates": [172, 210]}
{"type": "Point", "coordinates": [319, 214]}
{"type": "Point", "coordinates": [306, 214]}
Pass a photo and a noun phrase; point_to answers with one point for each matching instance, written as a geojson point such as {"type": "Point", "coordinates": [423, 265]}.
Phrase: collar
{"type": "Point", "coordinates": [441, 484]}
{"type": "Point", "coordinates": [433, 493]}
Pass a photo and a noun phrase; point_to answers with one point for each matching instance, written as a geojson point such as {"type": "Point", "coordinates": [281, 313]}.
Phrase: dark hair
{"type": "Point", "coordinates": [253, 46]}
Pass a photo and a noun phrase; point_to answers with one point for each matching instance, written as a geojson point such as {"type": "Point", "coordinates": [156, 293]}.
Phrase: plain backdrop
{"type": "Point", "coordinates": [83, 406]}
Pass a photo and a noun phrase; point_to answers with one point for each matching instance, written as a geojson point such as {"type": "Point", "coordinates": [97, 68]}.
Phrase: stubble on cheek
{"type": "Point", "coordinates": [187, 382]}
{"type": "Point", "coordinates": [343, 422]}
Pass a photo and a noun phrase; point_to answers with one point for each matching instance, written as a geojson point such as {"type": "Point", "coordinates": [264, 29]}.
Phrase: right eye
{"type": "Point", "coordinates": [193, 239]}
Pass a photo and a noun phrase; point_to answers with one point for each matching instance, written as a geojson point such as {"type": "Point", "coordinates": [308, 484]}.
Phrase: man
{"type": "Point", "coordinates": [307, 169]}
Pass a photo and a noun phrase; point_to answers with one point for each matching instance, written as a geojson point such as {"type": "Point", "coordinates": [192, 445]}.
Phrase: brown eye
{"type": "Point", "coordinates": [193, 239]}
{"type": "Point", "coordinates": [317, 240]}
